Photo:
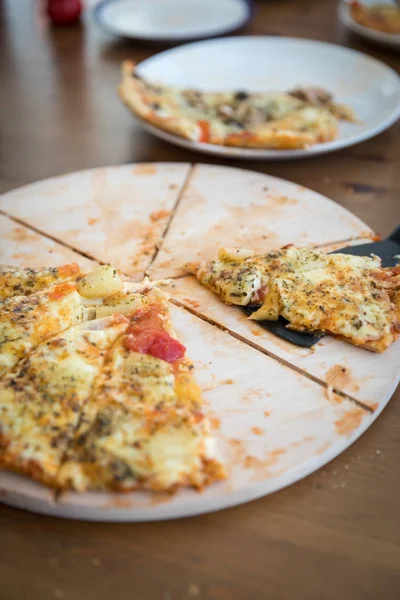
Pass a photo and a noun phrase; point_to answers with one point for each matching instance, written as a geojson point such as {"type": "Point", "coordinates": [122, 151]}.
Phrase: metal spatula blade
{"type": "Point", "coordinates": [279, 328]}
{"type": "Point", "coordinates": [387, 250]}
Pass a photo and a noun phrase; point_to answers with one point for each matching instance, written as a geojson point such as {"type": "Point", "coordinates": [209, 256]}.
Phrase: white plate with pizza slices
{"type": "Point", "coordinates": [278, 412]}
{"type": "Point", "coordinates": [383, 38]}
{"type": "Point", "coordinates": [274, 64]}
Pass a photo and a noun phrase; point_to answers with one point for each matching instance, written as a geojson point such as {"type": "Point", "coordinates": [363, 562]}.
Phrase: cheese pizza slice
{"type": "Point", "coordinates": [41, 402]}
{"type": "Point", "coordinates": [382, 17]}
{"type": "Point", "coordinates": [280, 120]}
{"type": "Point", "coordinates": [351, 297]}
{"type": "Point", "coordinates": [144, 428]}
{"type": "Point", "coordinates": [27, 321]}
{"type": "Point", "coordinates": [23, 281]}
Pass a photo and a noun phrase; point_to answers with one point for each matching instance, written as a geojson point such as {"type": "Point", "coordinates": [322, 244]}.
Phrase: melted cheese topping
{"type": "Point", "coordinates": [308, 116]}
{"type": "Point", "coordinates": [23, 281]}
{"type": "Point", "coordinates": [40, 404]}
{"type": "Point", "coordinates": [81, 410]}
{"type": "Point", "coordinates": [348, 296]}
{"type": "Point", "coordinates": [26, 321]}
{"type": "Point", "coordinates": [144, 428]}
{"type": "Point", "coordinates": [125, 448]}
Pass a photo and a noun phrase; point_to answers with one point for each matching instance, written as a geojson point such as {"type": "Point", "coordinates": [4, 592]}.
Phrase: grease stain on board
{"type": "Point", "coordinates": [215, 423]}
{"type": "Point", "coordinates": [257, 430]}
{"type": "Point", "coordinates": [349, 422]}
{"type": "Point", "coordinates": [161, 214]}
{"type": "Point", "coordinates": [191, 302]}
{"type": "Point", "coordinates": [280, 200]}
{"type": "Point", "coordinates": [21, 234]}
{"type": "Point", "coordinates": [261, 467]}
{"type": "Point", "coordinates": [119, 501]}
{"type": "Point", "coordinates": [323, 448]}
{"type": "Point", "coordinates": [253, 394]}
{"type": "Point", "coordinates": [144, 169]}
{"type": "Point", "coordinates": [339, 376]}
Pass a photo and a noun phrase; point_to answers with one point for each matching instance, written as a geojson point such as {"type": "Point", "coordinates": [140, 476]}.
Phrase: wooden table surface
{"type": "Point", "coordinates": [335, 534]}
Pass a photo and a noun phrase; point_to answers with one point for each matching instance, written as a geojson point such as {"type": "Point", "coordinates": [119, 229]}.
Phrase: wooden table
{"type": "Point", "coordinates": [334, 535]}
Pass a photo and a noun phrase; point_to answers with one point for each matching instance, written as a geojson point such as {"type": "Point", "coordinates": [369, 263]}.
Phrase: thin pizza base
{"type": "Point", "coordinates": [286, 134]}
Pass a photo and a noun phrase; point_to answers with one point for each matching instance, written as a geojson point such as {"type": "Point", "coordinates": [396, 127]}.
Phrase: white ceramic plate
{"type": "Point", "coordinates": [385, 39]}
{"type": "Point", "coordinates": [267, 399]}
{"type": "Point", "coordinates": [270, 63]}
{"type": "Point", "coordinates": [171, 20]}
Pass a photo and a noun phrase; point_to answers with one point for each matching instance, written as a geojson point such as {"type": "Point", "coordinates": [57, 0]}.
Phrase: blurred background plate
{"type": "Point", "coordinates": [171, 20]}
{"type": "Point", "coordinates": [385, 39]}
{"type": "Point", "coordinates": [257, 63]}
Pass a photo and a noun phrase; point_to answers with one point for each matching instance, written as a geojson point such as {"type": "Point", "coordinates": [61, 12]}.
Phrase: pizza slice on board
{"type": "Point", "coordinates": [348, 296]}
{"type": "Point", "coordinates": [41, 402]}
{"type": "Point", "coordinates": [23, 281]}
{"type": "Point", "coordinates": [144, 427]}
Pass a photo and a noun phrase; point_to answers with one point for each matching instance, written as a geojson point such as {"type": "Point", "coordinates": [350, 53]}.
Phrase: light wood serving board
{"type": "Point", "coordinates": [267, 399]}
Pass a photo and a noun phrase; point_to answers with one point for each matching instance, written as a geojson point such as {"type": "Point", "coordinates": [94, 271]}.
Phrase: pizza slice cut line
{"type": "Point", "coordinates": [41, 400]}
{"type": "Point", "coordinates": [27, 321]}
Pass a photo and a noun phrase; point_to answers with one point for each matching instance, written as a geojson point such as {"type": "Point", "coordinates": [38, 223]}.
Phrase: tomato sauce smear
{"type": "Point", "coordinates": [148, 336]}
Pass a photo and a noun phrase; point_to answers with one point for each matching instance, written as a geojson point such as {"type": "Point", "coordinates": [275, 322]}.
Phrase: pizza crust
{"type": "Point", "coordinates": [379, 17]}
{"type": "Point", "coordinates": [137, 98]}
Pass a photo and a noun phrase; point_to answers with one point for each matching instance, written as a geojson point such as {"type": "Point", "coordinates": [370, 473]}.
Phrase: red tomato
{"type": "Point", "coordinates": [167, 348]}
{"type": "Point", "coordinates": [64, 12]}
{"type": "Point", "coordinates": [155, 342]}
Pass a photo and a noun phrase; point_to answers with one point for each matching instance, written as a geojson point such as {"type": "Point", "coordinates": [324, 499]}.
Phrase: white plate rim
{"type": "Point", "coordinates": [98, 17]}
{"type": "Point", "coordinates": [265, 154]}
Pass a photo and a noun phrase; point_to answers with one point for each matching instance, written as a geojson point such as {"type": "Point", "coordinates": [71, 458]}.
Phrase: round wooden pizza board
{"type": "Point", "coordinates": [271, 404]}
